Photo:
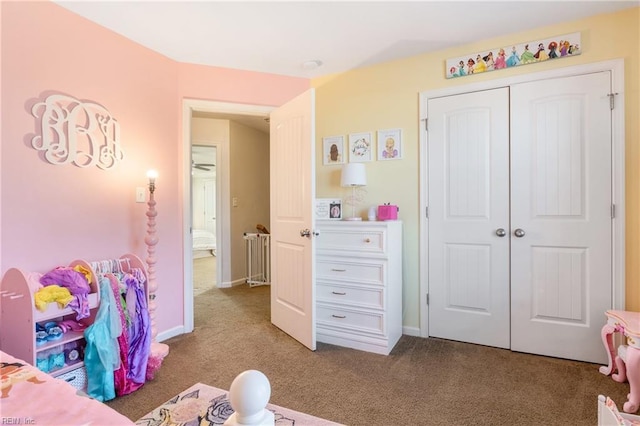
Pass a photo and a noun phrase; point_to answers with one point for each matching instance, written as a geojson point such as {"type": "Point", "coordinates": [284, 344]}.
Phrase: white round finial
{"type": "Point", "coordinates": [249, 394]}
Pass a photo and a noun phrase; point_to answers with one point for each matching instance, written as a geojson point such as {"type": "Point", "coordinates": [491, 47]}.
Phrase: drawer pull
{"type": "Point", "coordinates": [338, 293]}
{"type": "Point", "coordinates": [367, 240]}
{"type": "Point", "coordinates": [338, 270]}
{"type": "Point", "coordinates": [338, 316]}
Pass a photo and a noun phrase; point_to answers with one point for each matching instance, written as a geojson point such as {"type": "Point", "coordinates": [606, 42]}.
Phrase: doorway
{"type": "Point", "coordinates": [523, 180]}
{"type": "Point", "coordinates": [226, 258]}
{"type": "Point", "coordinates": [203, 217]}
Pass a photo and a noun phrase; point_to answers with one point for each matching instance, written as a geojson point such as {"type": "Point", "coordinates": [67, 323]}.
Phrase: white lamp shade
{"type": "Point", "coordinates": [353, 174]}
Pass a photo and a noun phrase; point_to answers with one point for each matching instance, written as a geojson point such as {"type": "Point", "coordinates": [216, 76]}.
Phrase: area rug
{"type": "Point", "coordinates": [205, 405]}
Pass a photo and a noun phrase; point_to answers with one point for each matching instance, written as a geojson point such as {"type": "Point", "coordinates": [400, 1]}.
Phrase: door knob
{"type": "Point", "coordinates": [500, 232]}
{"type": "Point", "coordinates": [308, 233]}
{"type": "Point", "coordinates": [519, 233]}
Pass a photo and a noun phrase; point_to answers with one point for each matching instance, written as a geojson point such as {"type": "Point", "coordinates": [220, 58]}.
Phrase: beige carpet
{"type": "Point", "coordinates": [204, 274]}
{"type": "Point", "coordinates": [422, 382]}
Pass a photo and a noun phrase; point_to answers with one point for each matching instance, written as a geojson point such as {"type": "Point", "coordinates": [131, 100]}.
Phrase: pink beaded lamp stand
{"type": "Point", "coordinates": [158, 350]}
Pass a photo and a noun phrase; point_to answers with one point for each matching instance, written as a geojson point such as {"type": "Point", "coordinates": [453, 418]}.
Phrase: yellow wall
{"type": "Point", "coordinates": [386, 96]}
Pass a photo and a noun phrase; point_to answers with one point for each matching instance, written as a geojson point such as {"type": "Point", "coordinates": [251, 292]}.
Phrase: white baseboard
{"type": "Point", "coordinates": [411, 331]}
{"type": "Point", "coordinates": [176, 331]}
{"type": "Point", "coordinates": [168, 334]}
{"type": "Point", "coordinates": [229, 284]}
{"type": "Point", "coordinates": [238, 282]}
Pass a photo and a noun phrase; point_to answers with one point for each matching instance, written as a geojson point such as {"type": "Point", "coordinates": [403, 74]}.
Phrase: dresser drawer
{"type": "Point", "coordinates": [345, 270]}
{"type": "Point", "coordinates": [366, 297]}
{"type": "Point", "coordinates": [351, 320]}
{"type": "Point", "coordinates": [359, 240]}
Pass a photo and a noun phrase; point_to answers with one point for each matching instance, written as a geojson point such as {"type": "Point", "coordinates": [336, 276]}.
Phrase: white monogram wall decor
{"type": "Point", "coordinates": [79, 132]}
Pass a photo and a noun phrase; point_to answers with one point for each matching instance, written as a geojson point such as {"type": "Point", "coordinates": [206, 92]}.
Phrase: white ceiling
{"type": "Point", "coordinates": [254, 121]}
{"type": "Point", "coordinates": [279, 36]}
{"type": "Point", "coordinates": [203, 155]}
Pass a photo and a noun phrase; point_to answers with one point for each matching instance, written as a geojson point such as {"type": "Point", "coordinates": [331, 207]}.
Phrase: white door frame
{"type": "Point", "coordinates": [616, 66]}
{"type": "Point", "coordinates": [223, 211]}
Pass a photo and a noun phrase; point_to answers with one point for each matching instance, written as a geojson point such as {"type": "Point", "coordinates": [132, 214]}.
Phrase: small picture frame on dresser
{"type": "Point", "coordinates": [328, 209]}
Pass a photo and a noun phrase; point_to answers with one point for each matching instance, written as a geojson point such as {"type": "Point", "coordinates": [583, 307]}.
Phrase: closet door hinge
{"type": "Point", "coordinates": [427, 299]}
{"type": "Point", "coordinates": [426, 212]}
{"type": "Point", "coordinates": [612, 100]}
{"type": "Point", "coordinates": [613, 211]}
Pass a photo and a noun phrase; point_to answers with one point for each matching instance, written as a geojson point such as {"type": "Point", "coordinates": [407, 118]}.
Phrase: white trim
{"type": "Point", "coordinates": [423, 239]}
{"type": "Point", "coordinates": [187, 243]}
{"type": "Point", "coordinates": [411, 331]}
{"type": "Point", "coordinates": [223, 208]}
{"type": "Point", "coordinates": [240, 281]}
{"type": "Point", "coordinates": [168, 334]}
{"type": "Point", "coordinates": [229, 284]}
{"type": "Point", "coordinates": [618, 190]}
{"type": "Point", "coordinates": [616, 67]}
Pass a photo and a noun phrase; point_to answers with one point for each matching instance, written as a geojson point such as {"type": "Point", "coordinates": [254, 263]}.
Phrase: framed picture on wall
{"type": "Point", "coordinates": [333, 150]}
{"type": "Point", "coordinates": [390, 144]}
{"type": "Point", "coordinates": [328, 209]}
{"type": "Point", "coordinates": [360, 147]}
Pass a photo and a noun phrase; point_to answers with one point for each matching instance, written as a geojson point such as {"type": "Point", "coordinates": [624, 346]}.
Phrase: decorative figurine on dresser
{"type": "Point", "coordinates": [359, 284]}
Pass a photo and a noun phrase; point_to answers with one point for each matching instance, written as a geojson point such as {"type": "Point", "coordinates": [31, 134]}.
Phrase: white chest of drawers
{"type": "Point", "coordinates": [359, 284]}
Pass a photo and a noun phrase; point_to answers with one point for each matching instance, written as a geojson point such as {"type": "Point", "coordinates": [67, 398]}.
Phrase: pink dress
{"type": "Point", "coordinates": [122, 384]}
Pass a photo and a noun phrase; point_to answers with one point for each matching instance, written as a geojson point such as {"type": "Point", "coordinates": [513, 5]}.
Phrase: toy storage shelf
{"type": "Point", "coordinates": [19, 315]}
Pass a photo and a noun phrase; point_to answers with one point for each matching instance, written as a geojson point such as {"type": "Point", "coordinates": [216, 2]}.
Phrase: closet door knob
{"type": "Point", "coordinates": [519, 233]}
{"type": "Point", "coordinates": [500, 232]}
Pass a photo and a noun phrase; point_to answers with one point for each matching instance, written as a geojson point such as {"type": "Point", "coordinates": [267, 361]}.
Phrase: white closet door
{"type": "Point", "coordinates": [561, 199]}
{"type": "Point", "coordinates": [468, 161]}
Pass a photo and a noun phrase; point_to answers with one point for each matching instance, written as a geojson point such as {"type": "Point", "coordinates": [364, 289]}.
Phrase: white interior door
{"type": "Point", "coordinates": [210, 205]}
{"type": "Point", "coordinates": [292, 159]}
{"type": "Point", "coordinates": [468, 163]}
{"type": "Point", "coordinates": [197, 203]}
{"type": "Point", "coordinates": [561, 268]}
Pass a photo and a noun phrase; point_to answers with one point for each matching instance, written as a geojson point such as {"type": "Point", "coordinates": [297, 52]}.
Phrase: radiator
{"type": "Point", "coordinates": [258, 258]}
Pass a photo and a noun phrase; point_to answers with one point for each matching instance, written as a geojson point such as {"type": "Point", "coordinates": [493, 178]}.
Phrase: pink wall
{"type": "Point", "coordinates": [52, 214]}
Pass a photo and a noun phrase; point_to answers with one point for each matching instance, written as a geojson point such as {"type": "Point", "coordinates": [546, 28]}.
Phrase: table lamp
{"type": "Point", "coordinates": [353, 174]}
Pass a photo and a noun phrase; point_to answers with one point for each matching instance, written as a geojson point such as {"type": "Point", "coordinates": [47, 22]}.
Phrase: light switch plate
{"type": "Point", "coordinates": [141, 194]}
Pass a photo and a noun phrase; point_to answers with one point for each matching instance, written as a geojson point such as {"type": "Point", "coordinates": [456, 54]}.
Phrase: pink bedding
{"type": "Point", "coordinates": [30, 396]}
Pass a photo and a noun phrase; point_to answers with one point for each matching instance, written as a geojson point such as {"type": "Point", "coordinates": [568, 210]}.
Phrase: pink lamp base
{"type": "Point", "coordinates": [158, 352]}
